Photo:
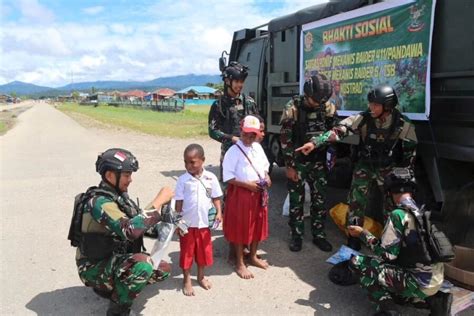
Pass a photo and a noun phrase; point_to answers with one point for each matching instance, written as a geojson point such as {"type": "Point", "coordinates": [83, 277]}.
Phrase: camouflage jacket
{"type": "Point", "coordinates": [399, 228]}
{"type": "Point", "coordinates": [354, 125]}
{"type": "Point", "coordinates": [290, 122]}
{"type": "Point", "coordinates": [225, 116]}
{"type": "Point", "coordinates": [104, 215]}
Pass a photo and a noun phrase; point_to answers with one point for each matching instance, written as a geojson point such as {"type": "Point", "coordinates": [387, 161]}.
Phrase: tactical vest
{"type": "Point", "coordinates": [310, 122]}
{"type": "Point", "coordinates": [101, 245]}
{"type": "Point", "coordinates": [233, 113]}
{"type": "Point", "coordinates": [380, 146]}
{"type": "Point", "coordinates": [413, 248]}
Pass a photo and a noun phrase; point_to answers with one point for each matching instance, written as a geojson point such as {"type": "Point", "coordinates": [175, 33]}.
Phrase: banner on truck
{"type": "Point", "coordinates": [388, 42]}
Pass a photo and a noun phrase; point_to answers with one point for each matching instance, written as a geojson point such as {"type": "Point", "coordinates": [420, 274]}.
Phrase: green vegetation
{"type": "Point", "coordinates": [3, 128]}
{"type": "Point", "coordinates": [190, 123]}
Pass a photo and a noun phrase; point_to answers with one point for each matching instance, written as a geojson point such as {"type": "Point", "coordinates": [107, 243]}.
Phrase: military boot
{"type": "Point", "coordinates": [440, 304]}
{"type": "Point", "coordinates": [385, 309]}
{"type": "Point", "coordinates": [387, 312]}
{"type": "Point", "coordinates": [354, 243]}
{"type": "Point", "coordinates": [322, 244]}
{"type": "Point", "coordinates": [296, 243]}
{"type": "Point", "coordinates": [119, 310]}
{"type": "Point", "coordinates": [102, 293]}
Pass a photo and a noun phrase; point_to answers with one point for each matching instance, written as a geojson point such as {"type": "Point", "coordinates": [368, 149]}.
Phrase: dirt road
{"type": "Point", "coordinates": [48, 157]}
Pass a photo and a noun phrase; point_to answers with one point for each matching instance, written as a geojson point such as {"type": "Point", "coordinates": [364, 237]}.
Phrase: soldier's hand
{"type": "Point", "coordinates": [292, 174]}
{"type": "Point", "coordinates": [164, 196]}
{"type": "Point", "coordinates": [234, 139]}
{"type": "Point", "coordinates": [306, 148]}
{"type": "Point", "coordinates": [354, 231]}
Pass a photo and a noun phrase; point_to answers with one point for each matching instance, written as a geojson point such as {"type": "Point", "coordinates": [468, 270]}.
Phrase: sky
{"type": "Point", "coordinates": [53, 42]}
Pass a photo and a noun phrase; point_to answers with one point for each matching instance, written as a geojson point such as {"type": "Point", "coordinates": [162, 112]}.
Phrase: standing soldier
{"type": "Point", "coordinates": [305, 117]}
{"type": "Point", "coordinates": [387, 139]}
{"type": "Point", "coordinates": [227, 112]}
{"type": "Point", "coordinates": [403, 269]}
{"type": "Point", "coordinates": [108, 230]}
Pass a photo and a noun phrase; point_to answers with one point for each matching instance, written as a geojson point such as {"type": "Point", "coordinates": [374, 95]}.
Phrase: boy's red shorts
{"type": "Point", "coordinates": [196, 244]}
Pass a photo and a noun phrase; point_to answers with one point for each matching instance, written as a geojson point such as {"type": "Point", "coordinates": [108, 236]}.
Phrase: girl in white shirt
{"type": "Point", "coordinates": [245, 169]}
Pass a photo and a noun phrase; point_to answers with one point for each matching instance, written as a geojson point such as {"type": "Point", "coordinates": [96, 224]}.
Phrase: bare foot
{"type": "Point", "coordinates": [243, 272]}
{"type": "Point", "coordinates": [259, 263]}
{"type": "Point", "coordinates": [188, 288]}
{"type": "Point", "coordinates": [205, 283]}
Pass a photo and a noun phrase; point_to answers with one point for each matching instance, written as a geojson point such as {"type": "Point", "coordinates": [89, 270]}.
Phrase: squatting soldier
{"type": "Point", "coordinates": [386, 139]}
{"type": "Point", "coordinates": [305, 117]}
{"type": "Point", "coordinates": [111, 226]}
{"type": "Point", "coordinates": [227, 112]}
{"type": "Point", "coordinates": [400, 271]}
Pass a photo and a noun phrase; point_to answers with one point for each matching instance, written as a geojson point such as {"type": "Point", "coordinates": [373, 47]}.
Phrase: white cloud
{"type": "Point", "coordinates": [121, 29]}
{"type": "Point", "coordinates": [33, 11]}
{"type": "Point", "coordinates": [172, 38]}
{"type": "Point", "coordinates": [93, 10]}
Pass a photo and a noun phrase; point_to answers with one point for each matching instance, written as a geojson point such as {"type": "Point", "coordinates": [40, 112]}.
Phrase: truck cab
{"type": "Point", "coordinates": [445, 154]}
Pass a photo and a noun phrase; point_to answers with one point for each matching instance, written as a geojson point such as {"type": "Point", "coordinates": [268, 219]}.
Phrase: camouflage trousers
{"type": "Point", "coordinates": [385, 281]}
{"type": "Point", "coordinates": [124, 275]}
{"type": "Point", "coordinates": [224, 148]}
{"type": "Point", "coordinates": [315, 174]}
{"type": "Point", "coordinates": [359, 192]}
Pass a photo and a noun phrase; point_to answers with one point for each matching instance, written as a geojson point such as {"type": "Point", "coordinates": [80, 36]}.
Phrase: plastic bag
{"type": "Point", "coordinates": [306, 205]}
{"type": "Point", "coordinates": [165, 233]}
{"type": "Point", "coordinates": [343, 254]}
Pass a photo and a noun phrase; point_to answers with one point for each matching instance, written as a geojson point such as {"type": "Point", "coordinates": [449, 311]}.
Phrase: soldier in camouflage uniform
{"type": "Point", "coordinates": [399, 272]}
{"type": "Point", "coordinates": [305, 117]}
{"type": "Point", "coordinates": [109, 255]}
{"type": "Point", "coordinates": [231, 108]}
{"type": "Point", "coordinates": [386, 139]}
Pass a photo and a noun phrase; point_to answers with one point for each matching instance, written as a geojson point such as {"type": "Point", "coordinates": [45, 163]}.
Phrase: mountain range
{"type": "Point", "coordinates": [176, 83]}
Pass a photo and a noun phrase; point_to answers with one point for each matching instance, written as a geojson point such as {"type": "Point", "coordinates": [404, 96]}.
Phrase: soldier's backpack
{"type": "Point", "coordinates": [75, 228]}
{"type": "Point", "coordinates": [437, 245]}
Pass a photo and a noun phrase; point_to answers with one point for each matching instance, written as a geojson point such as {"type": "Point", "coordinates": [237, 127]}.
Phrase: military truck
{"type": "Point", "coordinates": [445, 157]}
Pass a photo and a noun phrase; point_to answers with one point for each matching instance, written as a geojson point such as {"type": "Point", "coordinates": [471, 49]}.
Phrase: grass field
{"type": "Point", "coordinates": [190, 123]}
{"type": "Point", "coordinates": [3, 128]}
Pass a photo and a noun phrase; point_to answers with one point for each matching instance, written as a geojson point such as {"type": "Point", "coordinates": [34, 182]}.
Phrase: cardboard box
{"type": "Point", "coordinates": [461, 269]}
{"type": "Point", "coordinates": [462, 299]}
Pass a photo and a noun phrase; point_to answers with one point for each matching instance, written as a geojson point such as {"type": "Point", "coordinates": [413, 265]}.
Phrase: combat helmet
{"type": "Point", "coordinates": [385, 95]}
{"type": "Point", "coordinates": [116, 159]}
{"type": "Point", "coordinates": [235, 71]}
{"type": "Point", "coordinates": [318, 87]}
{"type": "Point", "coordinates": [400, 180]}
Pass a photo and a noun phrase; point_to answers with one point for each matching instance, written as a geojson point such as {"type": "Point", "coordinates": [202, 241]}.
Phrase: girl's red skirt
{"type": "Point", "coordinates": [245, 220]}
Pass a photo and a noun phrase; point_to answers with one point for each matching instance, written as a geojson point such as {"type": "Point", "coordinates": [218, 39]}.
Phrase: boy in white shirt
{"type": "Point", "coordinates": [197, 191]}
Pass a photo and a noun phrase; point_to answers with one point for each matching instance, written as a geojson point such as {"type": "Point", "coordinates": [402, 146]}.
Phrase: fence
{"type": "Point", "coordinates": [166, 105]}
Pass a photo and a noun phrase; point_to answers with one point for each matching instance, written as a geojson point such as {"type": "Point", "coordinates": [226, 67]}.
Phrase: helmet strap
{"type": "Point", "coordinates": [231, 89]}
{"type": "Point", "coordinates": [118, 174]}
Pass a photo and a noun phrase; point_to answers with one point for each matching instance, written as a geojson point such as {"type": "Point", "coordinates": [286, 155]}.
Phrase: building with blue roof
{"type": "Point", "coordinates": [197, 93]}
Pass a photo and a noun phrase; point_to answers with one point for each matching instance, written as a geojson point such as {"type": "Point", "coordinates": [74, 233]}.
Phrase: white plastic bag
{"type": "Point", "coordinates": [165, 234]}
{"type": "Point", "coordinates": [306, 205]}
